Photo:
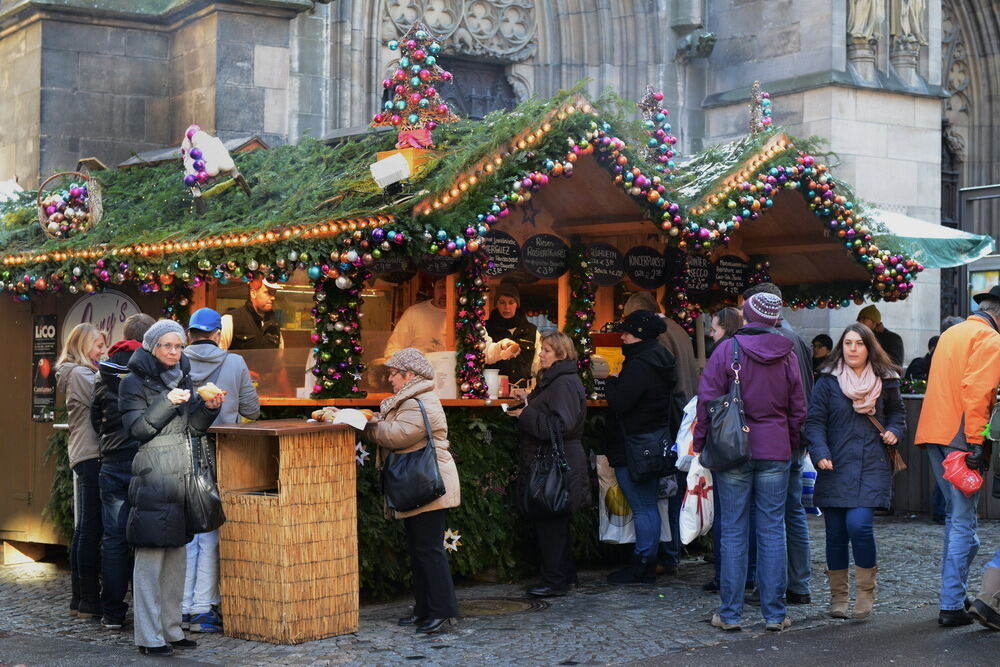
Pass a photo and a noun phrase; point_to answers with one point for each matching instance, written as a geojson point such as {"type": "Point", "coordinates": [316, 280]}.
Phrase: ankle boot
{"type": "Point", "coordinates": [640, 570]}
{"type": "Point", "coordinates": [838, 593]}
{"type": "Point", "coordinates": [90, 597]}
{"type": "Point", "coordinates": [864, 580]}
{"type": "Point", "coordinates": [986, 607]}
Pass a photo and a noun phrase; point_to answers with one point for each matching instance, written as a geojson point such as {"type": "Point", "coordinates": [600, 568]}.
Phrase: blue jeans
{"type": "Point", "coordinates": [762, 486]}
{"type": "Point", "coordinates": [85, 555]}
{"type": "Point", "coordinates": [641, 497]}
{"type": "Point", "coordinates": [849, 525]}
{"type": "Point", "coordinates": [116, 559]}
{"type": "Point", "coordinates": [717, 545]}
{"type": "Point", "coordinates": [797, 530]}
{"type": "Point", "coordinates": [995, 562]}
{"type": "Point", "coordinates": [670, 550]}
{"type": "Point", "coordinates": [960, 540]}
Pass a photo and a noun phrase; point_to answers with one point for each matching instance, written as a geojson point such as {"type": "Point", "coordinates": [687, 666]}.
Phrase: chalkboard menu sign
{"type": "Point", "coordinates": [732, 274]}
{"type": "Point", "coordinates": [503, 251]}
{"type": "Point", "coordinates": [646, 266]}
{"type": "Point", "coordinates": [392, 264]}
{"type": "Point", "coordinates": [545, 256]}
{"type": "Point", "coordinates": [699, 273]}
{"type": "Point", "coordinates": [606, 264]}
{"type": "Point", "coordinates": [442, 266]}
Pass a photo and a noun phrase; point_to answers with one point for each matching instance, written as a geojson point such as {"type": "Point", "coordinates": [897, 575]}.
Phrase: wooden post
{"type": "Point", "coordinates": [699, 340]}
{"type": "Point", "coordinates": [204, 296]}
{"type": "Point", "coordinates": [451, 303]}
{"type": "Point", "coordinates": [563, 299]}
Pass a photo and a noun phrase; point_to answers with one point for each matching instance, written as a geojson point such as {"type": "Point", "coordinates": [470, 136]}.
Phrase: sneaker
{"type": "Point", "coordinates": [717, 622]}
{"type": "Point", "coordinates": [779, 626]}
{"type": "Point", "coordinates": [112, 623]}
{"type": "Point", "coordinates": [208, 622]}
{"type": "Point", "coordinates": [185, 621]}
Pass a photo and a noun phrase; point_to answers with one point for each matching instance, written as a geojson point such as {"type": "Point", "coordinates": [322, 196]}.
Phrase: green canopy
{"type": "Point", "coordinates": [934, 246]}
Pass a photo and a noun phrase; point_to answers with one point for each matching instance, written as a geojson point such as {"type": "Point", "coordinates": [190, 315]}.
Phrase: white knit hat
{"type": "Point", "coordinates": [160, 329]}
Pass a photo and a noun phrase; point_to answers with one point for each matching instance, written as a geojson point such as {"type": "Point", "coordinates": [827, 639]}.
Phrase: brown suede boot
{"type": "Point", "coordinates": [864, 580]}
{"type": "Point", "coordinates": [986, 607]}
{"type": "Point", "coordinates": [838, 593]}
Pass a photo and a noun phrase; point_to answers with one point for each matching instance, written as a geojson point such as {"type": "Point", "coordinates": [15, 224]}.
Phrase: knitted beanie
{"type": "Point", "coordinates": [870, 313]}
{"type": "Point", "coordinates": [508, 290]}
{"type": "Point", "coordinates": [411, 359]}
{"type": "Point", "coordinates": [763, 308]}
{"type": "Point", "coordinates": [158, 331]}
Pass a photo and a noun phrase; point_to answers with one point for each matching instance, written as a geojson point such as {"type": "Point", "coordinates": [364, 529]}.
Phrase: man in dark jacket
{"type": "Point", "coordinates": [890, 341]}
{"type": "Point", "coordinates": [254, 326]}
{"type": "Point", "coordinates": [796, 529]}
{"type": "Point", "coordinates": [118, 449]}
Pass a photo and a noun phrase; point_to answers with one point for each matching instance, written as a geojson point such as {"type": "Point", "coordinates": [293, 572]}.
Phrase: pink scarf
{"type": "Point", "coordinates": [863, 389]}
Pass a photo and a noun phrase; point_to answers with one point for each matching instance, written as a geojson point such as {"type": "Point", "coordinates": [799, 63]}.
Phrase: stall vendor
{"type": "Point", "coordinates": [507, 320]}
{"type": "Point", "coordinates": [424, 327]}
{"type": "Point", "coordinates": [254, 325]}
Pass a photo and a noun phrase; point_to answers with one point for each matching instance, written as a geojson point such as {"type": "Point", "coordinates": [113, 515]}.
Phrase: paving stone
{"type": "Point", "coordinates": [596, 624]}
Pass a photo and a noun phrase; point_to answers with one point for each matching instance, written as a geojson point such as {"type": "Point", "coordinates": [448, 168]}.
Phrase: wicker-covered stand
{"type": "Point", "coordinates": [288, 552]}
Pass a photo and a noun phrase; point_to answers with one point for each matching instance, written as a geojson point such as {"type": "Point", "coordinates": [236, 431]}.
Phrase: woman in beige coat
{"type": "Point", "coordinates": [399, 426]}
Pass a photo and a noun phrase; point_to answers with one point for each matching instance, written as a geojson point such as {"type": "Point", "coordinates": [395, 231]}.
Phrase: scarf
{"type": "Point", "coordinates": [417, 385]}
{"type": "Point", "coordinates": [863, 390]}
{"type": "Point", "coordinates": [171, 377]}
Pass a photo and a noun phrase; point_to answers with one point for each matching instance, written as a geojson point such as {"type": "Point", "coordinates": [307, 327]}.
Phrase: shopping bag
{"type": "Point", "coordinates": [697, 511]}
{"type": "Point", "coordinates": [616, 524]}
{"type": "Point", "coordinates": [809, 486]}
{"type": "Point", "coordinates": [685, 436]}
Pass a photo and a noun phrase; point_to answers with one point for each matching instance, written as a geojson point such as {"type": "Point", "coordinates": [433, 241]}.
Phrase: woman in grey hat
{"type": "Point", "coordinates": [161, 412]}
{"type": "Point", "coordinates": [399, 426]}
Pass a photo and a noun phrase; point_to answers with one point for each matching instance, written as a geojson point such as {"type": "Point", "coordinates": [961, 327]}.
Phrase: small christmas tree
{"type": "Point", "coordinates": [416, 107]}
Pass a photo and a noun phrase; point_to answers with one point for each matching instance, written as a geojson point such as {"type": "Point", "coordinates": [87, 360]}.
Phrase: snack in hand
{"type": "Point", "coordinates": [208, 391]}
{"type": "Point", "coordinates": [367, 413]}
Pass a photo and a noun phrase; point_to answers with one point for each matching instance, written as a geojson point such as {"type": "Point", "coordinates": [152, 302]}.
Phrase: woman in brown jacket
{"type": "Point", "coordinates": [399, 426]}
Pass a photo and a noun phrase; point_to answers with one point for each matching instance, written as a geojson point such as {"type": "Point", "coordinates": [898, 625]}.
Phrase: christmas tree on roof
{"type": "Point", "coordinates": [416, 106]}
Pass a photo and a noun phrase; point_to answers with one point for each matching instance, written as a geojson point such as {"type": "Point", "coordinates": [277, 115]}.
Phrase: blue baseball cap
{"type": "Point", "coordinates": [205, 319]}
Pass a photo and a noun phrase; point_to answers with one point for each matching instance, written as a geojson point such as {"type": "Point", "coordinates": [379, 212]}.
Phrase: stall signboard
{"type": "Point", "coordinates": [646, 266]}
{"type": "Point", "coordinates": [392, 265]}
{"type": "Point", "coordinates": [732, 274]}
{"type": "Point", "coordinates": [545, 256]}
{"type": "Point", "coordinates": [504, 253]}
{"type": "Point", "coordinates": [606, 264]}
{"type": "Point", "coordinates": [699, 273]}
{"type": "Point", "coordinates": [442, 266]}
{"type": "Point", "coordinates": [105, 310]}
{"type": "Point", "coordinates": [43, 365]}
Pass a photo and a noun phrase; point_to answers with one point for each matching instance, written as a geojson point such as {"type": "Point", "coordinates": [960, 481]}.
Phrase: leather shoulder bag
{"type": "Point", "coordinates": [412, 480]}
{"type": "Point", "coordinates": [546, 488]}
{"type": "Point", "coordinates": [727, 444]}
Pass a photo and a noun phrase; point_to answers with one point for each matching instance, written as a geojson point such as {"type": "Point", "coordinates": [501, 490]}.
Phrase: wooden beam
{"type": "Point", "coordinates": [794, 249]}
{"type": "Point", "coordinates": [609, 229]}
{"type": "Point", "coordinates": [451, 303]}
{"type": "Point", "coordinates": [563, 299]}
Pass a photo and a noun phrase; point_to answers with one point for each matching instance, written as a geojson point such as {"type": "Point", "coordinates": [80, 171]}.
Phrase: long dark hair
{"type": "Point", "coordinates": [882, 364]}
{"type": "Point", "coordinates": [730, 319]}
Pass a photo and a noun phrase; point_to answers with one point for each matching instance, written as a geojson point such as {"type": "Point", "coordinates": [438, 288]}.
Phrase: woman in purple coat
{"type": "Point", "coordinates": [775, 410]}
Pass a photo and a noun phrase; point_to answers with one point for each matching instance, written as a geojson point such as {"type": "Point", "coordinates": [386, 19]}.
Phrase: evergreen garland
{"type": "Point", "coordinates": [470, 329]}
{"type": "Point", "coordinates": [580, 313]}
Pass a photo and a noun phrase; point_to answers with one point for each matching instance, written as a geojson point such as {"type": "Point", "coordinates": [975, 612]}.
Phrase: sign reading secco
{"type": "Point", "coordinates": [106, 310]}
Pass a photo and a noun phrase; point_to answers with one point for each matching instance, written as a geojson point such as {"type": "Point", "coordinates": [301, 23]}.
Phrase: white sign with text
{"type": "Point", "coordinates": [105, 310]}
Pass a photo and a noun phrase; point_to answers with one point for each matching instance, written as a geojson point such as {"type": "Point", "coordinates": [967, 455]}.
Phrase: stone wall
{"type": "Point", "coordinates": [20, 76]}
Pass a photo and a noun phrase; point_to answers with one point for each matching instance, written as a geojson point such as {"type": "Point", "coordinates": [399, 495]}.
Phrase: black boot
{"type": "Point", "coordinates": [640, 570]}
{"type": "Point", "coordinates": [90, 598]}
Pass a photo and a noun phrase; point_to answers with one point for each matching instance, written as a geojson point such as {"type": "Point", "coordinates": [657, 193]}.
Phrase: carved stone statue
{"type": "Point", "coordinates": [864, 19]}
{"type": "Point", "coordinates": [906, 20]}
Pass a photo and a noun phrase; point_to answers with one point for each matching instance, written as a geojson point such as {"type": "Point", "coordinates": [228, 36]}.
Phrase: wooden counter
{"type": "Point", "coordinates": [374, 399]}
{"type": "Point", "coordinates": [288, 552]}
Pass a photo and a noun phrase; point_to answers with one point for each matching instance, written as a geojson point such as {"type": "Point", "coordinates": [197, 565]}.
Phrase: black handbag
{"type": "Point", "coordinates": [412, 480]}
{"type": "Point", "coordinates": [203, 511]}
{"type": "Point", "coordinates": [546, 488]}
{"type": "Point", "coordinates": [727, 443]}
{"type": "Point", "coordinates": [650, 455]}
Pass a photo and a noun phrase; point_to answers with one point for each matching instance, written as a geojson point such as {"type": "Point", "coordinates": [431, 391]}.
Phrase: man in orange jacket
{"type": "Point", "coordinates": [961, 391]}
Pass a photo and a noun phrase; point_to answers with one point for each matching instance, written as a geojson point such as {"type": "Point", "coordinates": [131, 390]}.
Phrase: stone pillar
{"type": "Point", "coordinates": [905, 59]}
{"type": "Point", "coordinates": [861, 54]}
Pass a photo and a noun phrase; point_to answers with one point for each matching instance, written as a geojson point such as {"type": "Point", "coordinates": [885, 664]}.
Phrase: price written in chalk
{"type": "Point", "coordinates": [545, 256]}
{"type": "Point", "coordinates": [503, 251]}
{"type": "Point", "coordinates": [646, 266]}
{"type": "Point", "coordinates": [732, 274]}
{"type": "Point", "coordinates": [699, 274]}
{"type": "Point", "coordinates": [606, 264]}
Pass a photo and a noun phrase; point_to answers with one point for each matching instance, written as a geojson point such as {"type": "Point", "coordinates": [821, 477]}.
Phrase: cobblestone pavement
{"type": "Point", "coordinates": [596, 624]}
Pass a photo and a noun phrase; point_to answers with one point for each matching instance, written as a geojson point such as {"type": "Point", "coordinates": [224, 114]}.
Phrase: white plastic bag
{"type": "Point", "coordinates": [697, 512]}
{"type": "Point", "coordinates": [616, 523]}
{"type": "Point", "coordinates": [685, 436]}
{"type": "Point", "coordinates": [809, 486]}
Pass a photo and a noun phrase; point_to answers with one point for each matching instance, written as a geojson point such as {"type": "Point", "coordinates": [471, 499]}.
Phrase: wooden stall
{"type": "Point", "coordinates": [288, 552]}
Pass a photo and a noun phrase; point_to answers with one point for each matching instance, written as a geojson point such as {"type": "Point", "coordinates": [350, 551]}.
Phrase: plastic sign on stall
{"type": "Point", "coordinates": [105, 310]}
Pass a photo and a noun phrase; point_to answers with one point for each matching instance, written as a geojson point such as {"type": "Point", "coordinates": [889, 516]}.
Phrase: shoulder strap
{"type": "Point", "coordinates": [427, 422]}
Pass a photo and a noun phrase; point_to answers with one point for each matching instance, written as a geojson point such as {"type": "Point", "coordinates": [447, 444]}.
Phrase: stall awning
{"type": "Point", "coordinates": [934, 246]}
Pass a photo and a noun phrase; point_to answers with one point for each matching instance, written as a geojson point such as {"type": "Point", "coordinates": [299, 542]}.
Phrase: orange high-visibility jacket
{"type": "Point", "coordinates": [965, 373]}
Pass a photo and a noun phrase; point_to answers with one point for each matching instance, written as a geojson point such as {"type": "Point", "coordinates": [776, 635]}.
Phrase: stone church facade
{"type": "Point", "coordinates": [905, 91]}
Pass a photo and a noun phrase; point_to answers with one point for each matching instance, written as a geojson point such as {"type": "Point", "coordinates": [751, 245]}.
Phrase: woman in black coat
{"type": "Point", "coordinates": [858, 384]}
{"type": "Point", "coordinates": [640, 398]}
{"type": "Point", "coordinates": [508, 321]}
{"type": "Point", "coordinates": [161, 411]}
{"type": "Point", "coordinates": [558, 393]}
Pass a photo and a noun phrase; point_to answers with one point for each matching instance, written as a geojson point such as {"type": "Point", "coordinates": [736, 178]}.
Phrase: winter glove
{"type": "Point", "coordinates": [976, 459]}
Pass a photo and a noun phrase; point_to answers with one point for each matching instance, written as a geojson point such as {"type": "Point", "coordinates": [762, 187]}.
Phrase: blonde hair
{"type": "Point", "coordinates": [641, 301]}
{"type": "Point", "coordinates": [80, 340]}
{"type": "Point", "coordinates": [561, 344]}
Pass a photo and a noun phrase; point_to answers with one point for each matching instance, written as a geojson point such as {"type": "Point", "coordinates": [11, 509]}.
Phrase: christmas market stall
{"type": "Point", "coordinates": [568, 201]}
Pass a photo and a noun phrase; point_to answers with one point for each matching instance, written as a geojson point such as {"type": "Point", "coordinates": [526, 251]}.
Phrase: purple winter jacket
{"type": "Point", "coordinates": [771, 388]}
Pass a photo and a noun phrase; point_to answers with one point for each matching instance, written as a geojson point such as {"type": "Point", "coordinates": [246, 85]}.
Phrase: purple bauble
{"type": "Point", "coordinates": [199, 165]}
{"type": "Point", "coordinates": [378, 235]}
{"type": "Point", "coordinates": [190, 179]}
{"type": "Point", "coordinates": [196, 154]}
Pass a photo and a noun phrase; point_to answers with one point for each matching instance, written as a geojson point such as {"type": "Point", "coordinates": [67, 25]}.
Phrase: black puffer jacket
{"type": "Point", "coordinates": [522, 332]}
{"type": "Point", "coordinates": [116, 443]}
{"type": "Point", "coordinates": [162, 429]}
{"type": "Point", "coordinates": [559, 392]}
{"type": "Point", "coordinates": [641, 397]}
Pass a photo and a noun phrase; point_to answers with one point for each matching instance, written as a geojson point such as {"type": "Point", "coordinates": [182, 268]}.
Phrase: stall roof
{"type": "Point", "coordinates": [934, 246]}
{"type": "Point", "coordinates": [161, 155]}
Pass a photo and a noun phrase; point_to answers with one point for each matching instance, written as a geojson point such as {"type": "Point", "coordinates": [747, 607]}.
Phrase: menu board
{"type": "Point", "coordinates": [646, 266]}
{"type": "Point", "coordinates": [442, 266]}
{"type": "Point", "coordinates": [699, 273]}
{"type": "Point", "coordinates": [391, 263]}
{"type": "Point", "coordinates": [606, 264]}
{"type": "Point", "coordinates": [732, 274]}
{"type": "Point", "coordinates": [503, 251]}
{"type": "Point", "coordinates": [545, 256]}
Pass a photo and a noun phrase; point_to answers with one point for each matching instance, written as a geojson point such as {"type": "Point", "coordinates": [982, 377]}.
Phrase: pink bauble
{"type": "Point", "coordinates": [446, 76]}
{"type": "Point", "coordinates": [386, 83]}
{"type": "Point", "coordinates": [192, 130]}
{"type": "Point", "coordinates": [442, 109]}
{"type": "Point", "coordinates": [202, 177]}
{"type": "Point", "coordinates": [415, 98]}
{"type": "Point", "coordinates": [424, 74]}
{"type": "Point", "coordinates": [430, 91]}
